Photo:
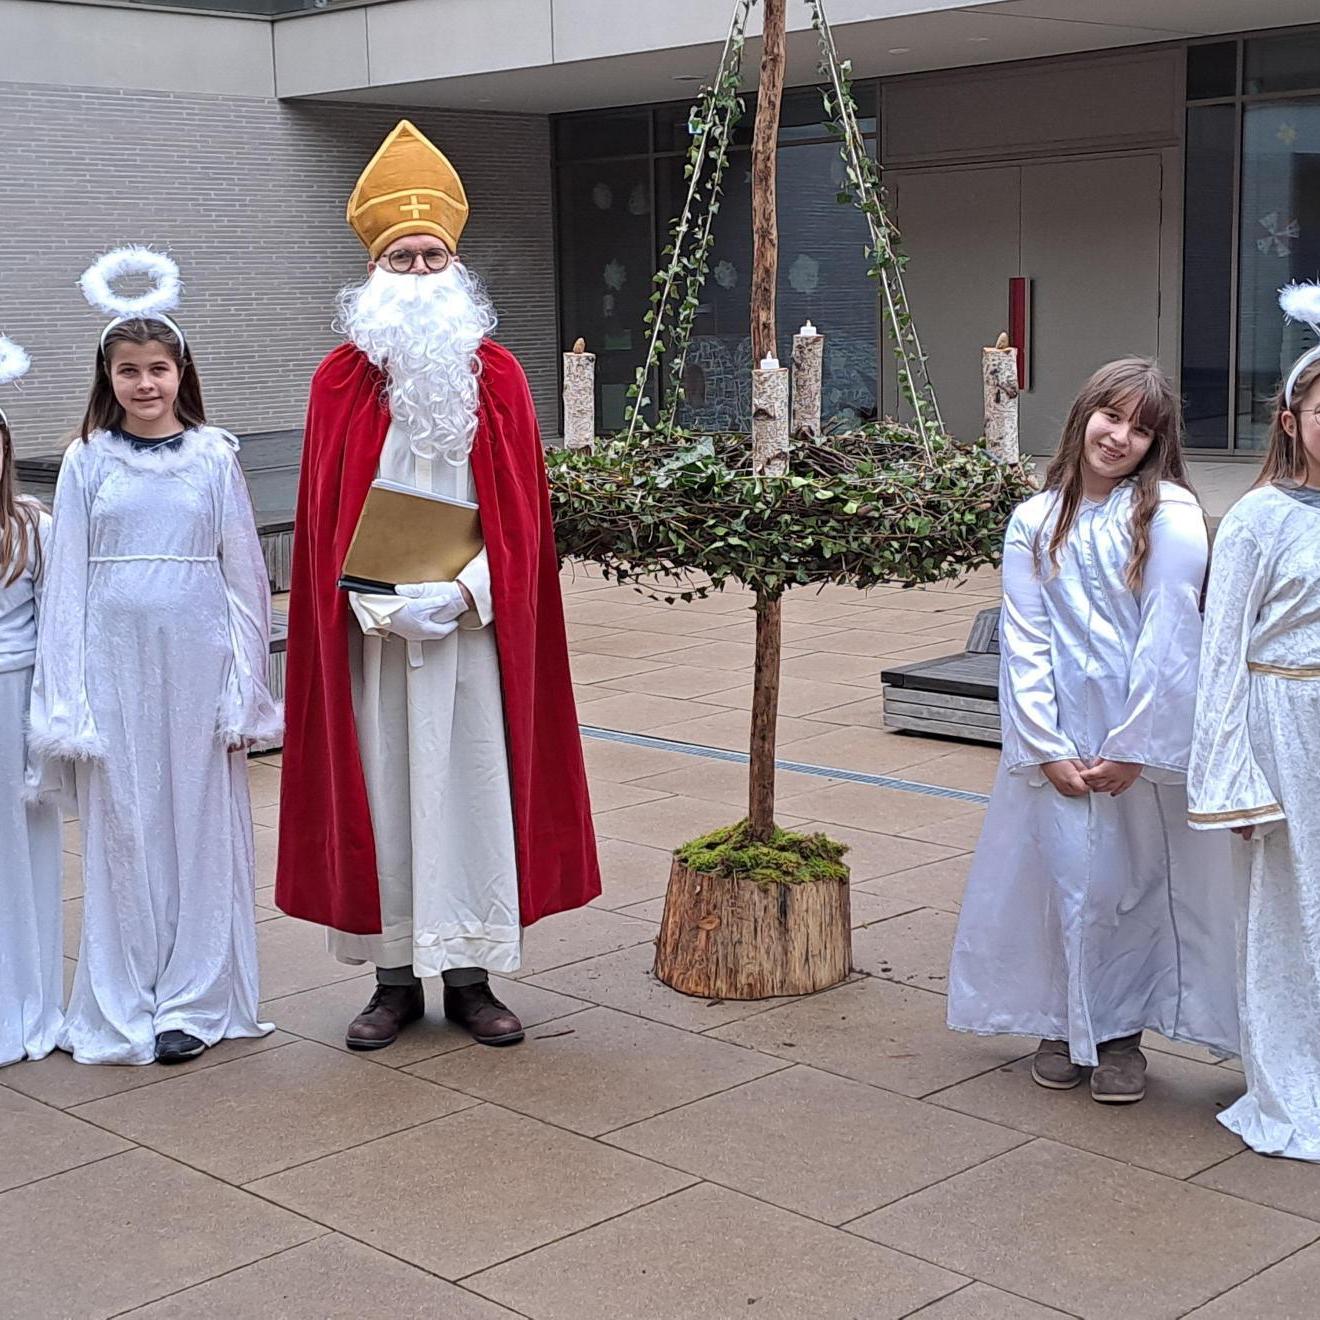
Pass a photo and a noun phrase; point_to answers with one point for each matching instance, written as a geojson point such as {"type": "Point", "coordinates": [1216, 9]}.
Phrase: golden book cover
{"type": "Point", "coordinates": [406, 535]}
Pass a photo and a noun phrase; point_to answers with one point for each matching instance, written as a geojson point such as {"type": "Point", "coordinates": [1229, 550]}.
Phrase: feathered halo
{"type": "Point", "coordinates": [1301, 303]}
{"type": "Point", "coordinates": [98, 280]}
{"type": "Point", "coordinates": [14, 360]}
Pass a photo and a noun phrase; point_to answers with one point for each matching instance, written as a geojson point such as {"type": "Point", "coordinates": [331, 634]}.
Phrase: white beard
{"type": "Point", "coordinates": [423, 332]}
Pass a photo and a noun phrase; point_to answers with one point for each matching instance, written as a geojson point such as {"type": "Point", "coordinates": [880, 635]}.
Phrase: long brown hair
{"type": "Point", "coordinates": [20, 543]}
{"type": "Point", "coordinates": [1285, 458]}
{"type": "Point", "coordinates": [103, 412]}
{"type": "Point", "coordinates": [1157, 410]}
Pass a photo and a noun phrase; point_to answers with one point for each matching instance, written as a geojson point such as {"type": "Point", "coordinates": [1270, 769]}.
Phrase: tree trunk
{"type": "Point", "coordinates": [765, 271]}
{"type": "Point", "coordinates": [579, 399]}
{"type": "Point", "coordinates": [1000, 381]}
{"type": "Point", "coordinates": [724, 938]}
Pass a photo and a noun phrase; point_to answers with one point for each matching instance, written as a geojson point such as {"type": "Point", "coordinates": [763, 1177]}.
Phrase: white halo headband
{"type": "Point", "coordinates": [1301, 303]}
{"type": "Point", "coordinates": [97, 287]}
{"type": "Point", "coordinates": [14, 362]}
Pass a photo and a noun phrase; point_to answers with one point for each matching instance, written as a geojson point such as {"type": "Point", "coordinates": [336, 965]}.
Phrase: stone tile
{"type": "Point", "coordinates": [631, 873]}
{"type": "Point", "coordinates": [73, 837]}
{"type": "Point", "coordinates": [729, 729]}
{"type": "Point", "coordinates": [1151, 1246]}
{"type": "Point", "coordinates": [872, 855]}
{"type": "Point", "coordinates": [71, 912]}
{"type": "Point", "coordinates": [960, 832]}
{"type": "Point", "coordinates": [586, 695]}
{"type": "Point", "coordinates": [978, 1301]}
{"type": "Point", "coordinates": [878, 642]}
{"type": "Point", "coordinates": [331, 1278]}
{"type": "Point", "coordinates": [624, 980]}
{"type": "Point", "coordinates": [854, 670]}
{"type": "Point", "coordinates": [970, 766]}
{"type": "Point", "coordinates": [791, 634]}
{"type": "Point", "coordinates": [1291, 1185]}
{"type": "Point", "coordinates": [797, 696]}
{"type": "Point", "coordinates": [710, 1252]}
{"type": "Point", "coordinates": [912, 949]}
{"type": "Point", "coordinates": [259, 1115]}
{"type": "Point", "coordinates": [871, 751]}
{"type": "Point", "coordinates": [678, 680]}
{"type": "Point", "coordinates": [665, 822]}
{"type": "Point", "coordinates": [40, 1141]}
{"type": "Point", "coordinates": [267, 843]}
{"type": "Point", "coordinates": [463, 1193]}
{"type": "Point", "coordinates": [1152, 1040]}
{"type": "Point", "coordinates": [878, 1032]}
{"type": "Point", "coordinates": [264, 784]}
{"type": "Point", "coordinates": [609, 797]}
{"type": "Point", "coordinates": [634, 712]}
{"type": "Point", "coordinates": [806, 607]}
{"type": "Point", "coordinates": [865, 807]}
{"type": "Point", "coordinates": [324, 1014]}
{"type": "Point", "coordinates": [637, 642]}
{"type": "Point", "coordinates": [839, 1148]}
{"type": "Point", "coordinates": [589, 668]}
{"type": "Point", "coordinates": [293, 957]}
{"type": "Point", "coordinates": [99, 1240]}
{"type": "Point", "coordinates": [266, 816]}
{"type": "Point", "coordinates": [72, 878]}
{"type": "Point", "coordinates": [56, 1080]}
{"type": "Point", "coordinates": [569, 937]}
{"type": "Point", "coordinates": [637, 1068]}
{"type": "Point", "coordinates": [725, 781]}
{"type": "Point", "coordinates": [1172, 1131]}
{"type": "Point", "coordinates": [936, 885]}
{"type": "Point", "coordinates": [737, 657]}
{"type": "Point", "coordinates": [1286, 1291]}
{"type": "Point", "coordinates": [622, 762]}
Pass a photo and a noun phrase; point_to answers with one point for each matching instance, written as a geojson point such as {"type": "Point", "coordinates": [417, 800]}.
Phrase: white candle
{"type": "Point", "coordinates": [807, 330]}
{"type": "Point", "coordinates": [770, 364]}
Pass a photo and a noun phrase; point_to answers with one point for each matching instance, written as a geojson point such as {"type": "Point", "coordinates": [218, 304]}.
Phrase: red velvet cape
{"type": "Point", "coordinates": [327, 852]}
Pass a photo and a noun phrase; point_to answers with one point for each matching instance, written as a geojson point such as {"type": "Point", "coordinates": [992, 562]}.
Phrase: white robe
{"type": "Point", "coordinates": [1090, 918]}
{"type": "Point", "coordinates": [31, 956]}
{"type": "Point", "coordinates": [151, 660]}
{"type": "Point", "coordinates": [1256, 761]}
{"type": "Point", "coordinates": [430, 724]}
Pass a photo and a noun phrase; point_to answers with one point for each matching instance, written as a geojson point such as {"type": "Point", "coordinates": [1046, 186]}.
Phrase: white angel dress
{"type": "Point", "coordinates": [151, 664]}
{"type": "Point", "coordinates": [1256, 761]}
{"type": "Point", "coordinates": [1091, 918]}
{"type": "Point", "coordinates": [31, 953]}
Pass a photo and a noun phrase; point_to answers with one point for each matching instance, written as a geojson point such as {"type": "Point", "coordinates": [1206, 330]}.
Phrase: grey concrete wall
{"type": "Point", "coordinates": [248, 194]}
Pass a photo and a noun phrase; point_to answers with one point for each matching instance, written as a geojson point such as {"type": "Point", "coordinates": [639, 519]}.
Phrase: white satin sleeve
{"type": "Point", "coordinates": [1156, 727]}
{"type": "Point", "coordinates": [1028, 705]}
{"type": "Point", "coordinates": [1226, 786]}
{"type": "Point", "coordinates": [61, 725]}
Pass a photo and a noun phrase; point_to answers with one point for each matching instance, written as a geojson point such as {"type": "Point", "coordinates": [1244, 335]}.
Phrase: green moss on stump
{"type": "Point", "coordinates": [788, 859]}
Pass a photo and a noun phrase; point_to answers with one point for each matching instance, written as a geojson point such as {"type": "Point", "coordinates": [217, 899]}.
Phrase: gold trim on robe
{"type": "Point", "coordinates": [1246, 816]}
{"type": "Point", "coordinates": [1302, 672]}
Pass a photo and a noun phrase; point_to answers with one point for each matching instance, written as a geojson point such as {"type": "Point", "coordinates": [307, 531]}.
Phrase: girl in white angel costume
{"type": "Point", "coordinates": [31, 959]}
{"type": "Point", "coordinates": [151, 679]}
{"type": "Point", "coordinates": [1256, 753]}
{"type": "Point", "coordinates": [1093, 912]}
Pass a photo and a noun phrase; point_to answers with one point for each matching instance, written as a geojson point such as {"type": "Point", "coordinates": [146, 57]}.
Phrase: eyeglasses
{"type": "Point", "coordinates": [401, 260]}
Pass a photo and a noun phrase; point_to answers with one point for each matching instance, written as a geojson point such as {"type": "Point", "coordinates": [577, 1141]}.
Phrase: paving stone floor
{"type": "Point", "coordinates": [643, 1154]}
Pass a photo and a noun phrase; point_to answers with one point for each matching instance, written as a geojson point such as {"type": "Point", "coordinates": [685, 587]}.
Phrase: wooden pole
{"type": "Point", "coordinates": [579, 397]}
{"type": "Point", "coordinates": [999, 377]}
{"type": "Point", "coordinates": [808, 367]}
{"type": "Point", "coordinates": [765, 272]}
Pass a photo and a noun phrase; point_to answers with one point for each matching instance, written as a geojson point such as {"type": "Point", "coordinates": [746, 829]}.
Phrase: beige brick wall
{"type": "Point", "coordinates": [248, 194]}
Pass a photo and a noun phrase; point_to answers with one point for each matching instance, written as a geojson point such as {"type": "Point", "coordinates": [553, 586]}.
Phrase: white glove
{"type": "Point", "coordinates": [432, 611]}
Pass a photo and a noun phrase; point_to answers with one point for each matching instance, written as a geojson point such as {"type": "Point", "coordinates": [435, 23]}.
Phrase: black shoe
{"type": "Point", "coordinates": [475, 1008]}
{"type": "Point", "coordinates": [177, 1046]}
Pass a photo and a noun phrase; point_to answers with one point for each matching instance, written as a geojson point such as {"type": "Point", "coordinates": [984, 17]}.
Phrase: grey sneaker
{"type": "Point", "coordinates": [1053, 1066]}
{"type": "Point", "coordinates": [1120, 1076]}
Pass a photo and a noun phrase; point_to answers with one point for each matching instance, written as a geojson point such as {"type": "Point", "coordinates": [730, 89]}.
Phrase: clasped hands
{"type": "Point", "coordinates": [432, 611]}
{"type": "Point", "coordinates": [1075, 778]}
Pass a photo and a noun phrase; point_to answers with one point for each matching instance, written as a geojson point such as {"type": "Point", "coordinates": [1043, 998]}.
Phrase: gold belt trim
{"type": "Point", "coordinates": [1284, 671]}
{"type": "Point", "coordinates": [1249, 814]}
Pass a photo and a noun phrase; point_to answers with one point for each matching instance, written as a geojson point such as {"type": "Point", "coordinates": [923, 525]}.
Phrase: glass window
{"type": "Point", "coordinates": [1212, 70]}
{"type": "Point", "coordinates": [606, 256]}
{"type": "Point", "coordinates": [1208, 273]}
{"type": "Point", "coordinates": [1280, 241]}
{"type": "Point", "coordinates": [1286, 63]}
{"type": "Point", "coordinates": [612, 133]}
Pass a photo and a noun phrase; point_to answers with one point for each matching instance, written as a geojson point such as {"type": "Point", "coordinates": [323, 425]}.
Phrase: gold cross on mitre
{"type": "Point", "coordinates": [407, 166]}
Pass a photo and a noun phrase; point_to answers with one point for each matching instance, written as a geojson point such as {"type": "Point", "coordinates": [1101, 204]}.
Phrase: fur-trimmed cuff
{"type": "Point", "coordinates": [263, 734]}
{"type": "Point", "coordinates": [52, 747]}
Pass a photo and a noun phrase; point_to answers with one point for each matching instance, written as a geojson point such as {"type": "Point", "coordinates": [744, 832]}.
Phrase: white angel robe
{"type": "Point", "coordinates": [430, 724]}
{"type": "Point", "coordinates": [31, 956]}
{"type": "Point", "coordinates": [1091, 918]}
{"type": "Point", "coordinates": [151, 663]}
{"type": "Point", "coordinates": [1256, 761]}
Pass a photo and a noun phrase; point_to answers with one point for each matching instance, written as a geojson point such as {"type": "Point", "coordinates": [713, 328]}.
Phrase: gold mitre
{"type": "Point", "coordinates": [408, 188]}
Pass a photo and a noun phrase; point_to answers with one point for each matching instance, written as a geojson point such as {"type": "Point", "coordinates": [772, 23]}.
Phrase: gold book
{"type": "Point", "coordinates": [406, 535]}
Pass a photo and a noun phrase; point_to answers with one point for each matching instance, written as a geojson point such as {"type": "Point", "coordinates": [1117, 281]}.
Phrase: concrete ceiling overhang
{"type": "Point", "coordinates": [577, 65]}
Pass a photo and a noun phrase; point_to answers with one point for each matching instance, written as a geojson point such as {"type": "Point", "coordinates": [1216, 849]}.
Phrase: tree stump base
{"type": "Point", "coordinates": [729, 938]}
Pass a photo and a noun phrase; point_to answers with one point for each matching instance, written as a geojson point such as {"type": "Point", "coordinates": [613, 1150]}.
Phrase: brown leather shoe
{"type": "Point", "coordinates": [1120, 1076]}
{"type": "Point", "coordinates": [475, 1009]}
{"type": "Point", "coordinates": [389, 1010]}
